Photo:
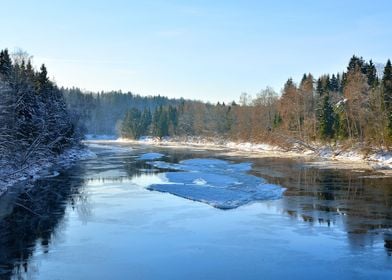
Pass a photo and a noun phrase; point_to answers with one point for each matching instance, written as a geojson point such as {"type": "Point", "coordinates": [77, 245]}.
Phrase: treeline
{"type": "Point", "coordinates": [34, 121]}
{"type": "Point", "coordinates": [351, 107]}
{"type": "Point", "coordinates": [102, 112]}
{"type": "Point", "coordinates": [162, 122]}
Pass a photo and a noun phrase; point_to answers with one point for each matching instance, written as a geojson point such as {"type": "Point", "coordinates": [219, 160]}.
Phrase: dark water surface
{"type": "Point", "coordinates": [97, 220]}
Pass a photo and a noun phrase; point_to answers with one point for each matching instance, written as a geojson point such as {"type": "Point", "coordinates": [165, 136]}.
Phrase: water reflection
{"type": "Point", "coordinates": [136, 168]}
{"type": "Point", "coordinates": [358, 204]}
{"type": "Point", "coordinates": [33, 217]}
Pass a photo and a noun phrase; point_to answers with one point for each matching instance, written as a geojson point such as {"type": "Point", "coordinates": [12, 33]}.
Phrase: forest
{"type": "Point", "coordinates": [352, 108]}
{"type": "Point", "coordinates": [102, 112]}
{"type": "Point", "coordinates": [34, 120]}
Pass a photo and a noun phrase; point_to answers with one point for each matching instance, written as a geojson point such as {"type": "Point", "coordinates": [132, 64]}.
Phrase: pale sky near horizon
{"type": "Point", "coordinates": [206, 50]}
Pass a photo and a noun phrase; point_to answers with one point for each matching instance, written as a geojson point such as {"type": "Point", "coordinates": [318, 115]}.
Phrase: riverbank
{"type": "Point", "coordinates": [329, 156]}
{"type": "Point", "coordinates": [37, 168]}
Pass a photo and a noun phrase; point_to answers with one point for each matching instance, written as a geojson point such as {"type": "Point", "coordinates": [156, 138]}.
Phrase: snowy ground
{"type": "Point", "coordinates": [40, 168]}
{"type": "Point", "coordinates": [338, 157]}
{"type": "Point", "coordinates": [203, 143]}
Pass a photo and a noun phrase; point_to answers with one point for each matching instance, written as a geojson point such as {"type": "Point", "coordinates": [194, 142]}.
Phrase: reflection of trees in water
{"type": "Point", "coordinates": [317, 196]}
{"type": "Point", "coordinates": [34, 218]}
{"type": "Point", "coordinates": [327, 197]}
{"type": "Point", "coordinates": [137, 168]}
{"type": "Point", "coordinates": [103, 180]}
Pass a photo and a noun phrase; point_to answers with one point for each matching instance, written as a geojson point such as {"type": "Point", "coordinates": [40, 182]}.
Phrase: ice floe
{"type": "Point", "coordinates": [219, 183]}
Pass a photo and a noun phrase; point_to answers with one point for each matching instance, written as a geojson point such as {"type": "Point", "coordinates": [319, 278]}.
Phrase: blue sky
{"type": "Point", "coordinates": [208, 50]}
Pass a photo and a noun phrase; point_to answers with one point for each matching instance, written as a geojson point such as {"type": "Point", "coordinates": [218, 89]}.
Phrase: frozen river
{"type": "Point", "coordinates": [139, 213]}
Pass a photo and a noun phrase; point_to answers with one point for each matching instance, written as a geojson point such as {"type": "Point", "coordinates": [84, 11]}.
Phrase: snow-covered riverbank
{"type": "Point", "coordinates": [40, 167]}
{"type": "Point", "coordinates": [377, 159]}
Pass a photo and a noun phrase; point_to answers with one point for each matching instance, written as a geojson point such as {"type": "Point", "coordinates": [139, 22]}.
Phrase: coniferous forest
{"type": "Point", "coordinates": [102, 113]}
{"type": "Point", "coordinates": [34, 120]}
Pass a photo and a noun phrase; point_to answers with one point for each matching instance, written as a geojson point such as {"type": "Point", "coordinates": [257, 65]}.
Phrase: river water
{"type": "Point", "coordinates": [97, 220]}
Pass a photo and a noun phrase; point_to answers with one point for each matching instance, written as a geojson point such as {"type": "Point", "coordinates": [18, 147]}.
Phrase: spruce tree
{"type": "Point", "coordinates": [371, 74]}
{"type": "Point", "coordinates": [31, 125]}
{"type": "Point", "coordinates": [319, 87]}
{"type": "Point", "coordinates": [340, 83]}
{"type": "Point", "coordinates": [356, 62]}
{"type": "Point", "coordinates": [334, 85]}
{"type": "Point", "coordinates": [132, 126]}
{"type": "Point", "coordinates": [387, 91]}
{"type": "Point", "coordinates": [42, 81]}
{"type": "Point", "coordinates": [387, 84]}
{"type": "Point", "coordinates": [327, 119]}
{"type": "Point", "coordinates": [145, 121]}
{"type": "Point", "coordinates": [5, 64]}
{"type": "Point", "coordinates": [304, 78]}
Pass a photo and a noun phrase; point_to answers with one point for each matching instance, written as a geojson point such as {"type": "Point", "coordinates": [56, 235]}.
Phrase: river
{"type": "Point", "coordinates": [98, 220]}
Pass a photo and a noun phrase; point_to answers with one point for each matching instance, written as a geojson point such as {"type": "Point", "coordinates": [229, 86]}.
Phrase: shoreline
{"type": "Point", "coordinates": [322, 155]}
{"type": "Point", "coordinates": [40, 168]}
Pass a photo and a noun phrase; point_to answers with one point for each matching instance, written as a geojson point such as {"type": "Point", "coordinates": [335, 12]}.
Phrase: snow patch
{"type": "Point", "coordinates": [39, 168]}
{"type": "Point", "coordinates": [51, 175]}
{"type": "Point", "coordinates": [197, 141]}
{"type": "Point", "coordinates": [382, 159]}
{"type": "Point", "coordinates": [378, 160]}
{"type": "Point", "coordinates": [252, 147]}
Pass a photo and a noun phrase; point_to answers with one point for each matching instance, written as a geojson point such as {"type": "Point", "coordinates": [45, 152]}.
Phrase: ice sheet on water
{"type": "Point", "coordinates": [220, 183]}
{"type": "Point", "coordinates": [151, 156]}
{"type": "Point", "coordinates": [204, 164]}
